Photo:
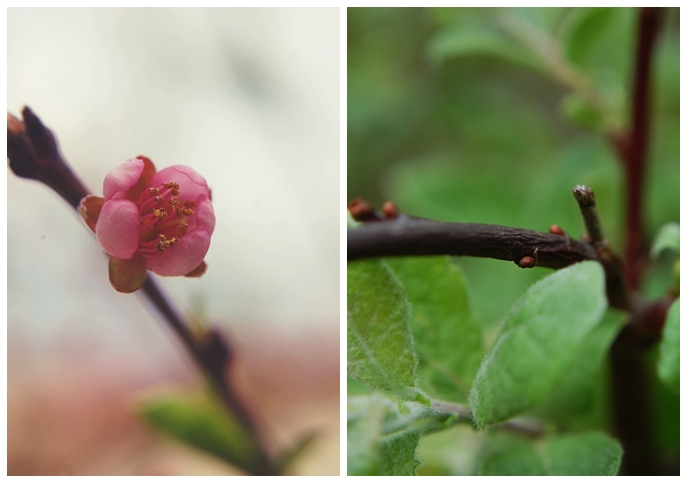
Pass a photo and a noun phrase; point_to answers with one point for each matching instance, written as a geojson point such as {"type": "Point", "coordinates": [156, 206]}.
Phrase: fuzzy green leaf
{"type": "Point", "coordinates": [380, 439]}
{"type": "Point", "coordinates": [398, 455]}
{"type": "Point", "coordinates": [447, 339]}
{"type": "Point", "coordinates": [583, 454]}
{"type": "Point", "coordinates": [200, 421]}
{"type": "Point", "coordinates": [669, 358]}
{"type": "Point", "coordinates": [537, 342]}
{"type": "Point", "coordinates": [574, 393]}
{"type": "Point", "coordinates": [380, 346]}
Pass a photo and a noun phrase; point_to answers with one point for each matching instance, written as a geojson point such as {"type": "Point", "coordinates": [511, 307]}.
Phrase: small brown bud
{"type": "Point", "coordinates": [556, 230]}
{"type": "Point", "coordinates": [526, 262]}
{"type": "Point", "coordinates": [390, 210]}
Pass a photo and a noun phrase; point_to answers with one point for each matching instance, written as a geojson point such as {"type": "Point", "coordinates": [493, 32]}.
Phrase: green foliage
{"type": "Point", "coordinates": [381, 440]}
{"type": "Point", "coordinates": [447, 339]}
{"type": "Point", "coordinates": [537, 342]}
{"type": "Point", "coordinates": [465, 40]}
{"type": "Point", "coordinates": [575, 393]}
{"type": "Point", "coordinates": [669, 359]}
{"type": "Point", "coordinates": [582, 454]}
{"type": "Point", "coordinates": [668, 238]}
{"type": "Point", "coordinates": [199, 420]}
{"type": "Point", "coordinates": [491, 116]}
{"type": "Point", "coordinates": [380, 346]}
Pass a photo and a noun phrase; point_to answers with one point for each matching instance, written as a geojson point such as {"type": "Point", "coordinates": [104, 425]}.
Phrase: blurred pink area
{"type": "Point", "coordinates": [69, 416]}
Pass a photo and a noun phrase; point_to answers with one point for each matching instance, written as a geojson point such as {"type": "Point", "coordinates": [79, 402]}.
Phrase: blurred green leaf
{"type": "Point", "coordinates": [574, 393]}
{"type": "Point", "coordinates": [463, 40]}
{"type": "Point", "coordinates": [199, 420]}
{"type": "Point", "coordinates": [582, 454]}
{"type": "Point", "coordinates": [380, 345]}
{"type": "Point", "coordinates": [578, 110]}
{"type": "Point", "coordinates": [668, 238]}
{"type": "Point", "coordinates": [513, 460]}
{"type": "Point", "coordinates": [364, 432]}
{"type": "Point", "coordinates": [585, 27]}
{"type": "Point", "coordinates": [447, 339]}
{"type": "Point", "coordinates": [669, 359]}
{"type": "Point", "coordinates": [537, 342]}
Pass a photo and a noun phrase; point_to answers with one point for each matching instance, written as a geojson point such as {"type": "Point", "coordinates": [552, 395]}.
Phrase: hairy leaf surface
{"type": "Point", "coordinates": [447, 339]}
{"type": "Point", "coordinates": [583, 454]}
{"type": "Point", "coordinates": [380, 346]}
{"type": "Point", "coordinates": [371, 450]}
{"type": "Point", "coordinates": [537, 342]}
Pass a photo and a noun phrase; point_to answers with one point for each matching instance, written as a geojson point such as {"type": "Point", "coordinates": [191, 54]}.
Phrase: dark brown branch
{"type": "Point", "coordinates": [33, 153]}
{"type": "Point", "coordinates": [406, 236]}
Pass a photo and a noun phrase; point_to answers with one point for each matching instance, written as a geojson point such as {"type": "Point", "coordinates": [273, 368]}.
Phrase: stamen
{"type": "Point", "coordinates": [187, 211]}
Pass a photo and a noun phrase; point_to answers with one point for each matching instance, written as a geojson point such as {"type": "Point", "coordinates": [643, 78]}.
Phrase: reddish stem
{"type": "Point", "coordinates": [633, 151]}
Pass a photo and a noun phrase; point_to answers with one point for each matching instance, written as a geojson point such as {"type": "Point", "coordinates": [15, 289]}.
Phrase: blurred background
{"type": "Point", "coordinates": [484, 115]}
{"type": "Point", "coordinates": [250, 99]}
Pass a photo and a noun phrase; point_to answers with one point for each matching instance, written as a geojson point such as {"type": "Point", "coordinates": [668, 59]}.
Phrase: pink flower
{"type": "Point", "coordinates": [151, 221]}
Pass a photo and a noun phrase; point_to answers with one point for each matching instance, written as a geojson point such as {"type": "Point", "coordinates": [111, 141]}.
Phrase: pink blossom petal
{"type": "Point", "coordinates": [191, 184]}
{"type": "Point", "coordinates": [118, 228]}
{"type": "Point", "coordinates": [183, 257]}
{"type": "Point", "coordinates": [205, 215]}
{"type": "Point", "coordinates": [122, 178]}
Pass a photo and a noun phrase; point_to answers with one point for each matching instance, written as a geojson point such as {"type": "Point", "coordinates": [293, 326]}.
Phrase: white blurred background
{"type": "Point", "coordinates": [250, 99]}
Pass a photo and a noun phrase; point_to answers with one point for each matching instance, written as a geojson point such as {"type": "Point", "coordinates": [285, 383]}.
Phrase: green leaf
{"type": "Point", "coordinates": [537, 342]}
{"type": "Point", "coordinates": [585, 29]}
{"type": "Point", "coordinates": [668, 238]}
{"type": "Point", "coordinates": [583, 454]}
{"type": "Point", "coordinates": [398, 455]}
{"type": "Point", "coordinates": [380, 346]}
{"type": "Point", "coordinates": [513, 460]}
{"type": "Point", "coordinates": [447, 339]}
{"type": "Point", "coordinates": [669, 356]}
{"type": "Point", "coordinates": [380, 441]}
{"type": "Point", "coordinates": [464, 40]}
{"type": "Point", "coordinates": [579, 111]}
{"type": "Point", "coordinates": [574, 393]}
{"type": "Point", "coordinates": [200, 421]}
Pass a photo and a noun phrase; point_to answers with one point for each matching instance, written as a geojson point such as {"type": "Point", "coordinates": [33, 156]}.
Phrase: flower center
{"type": "Point", "coordinates": [163, 217]}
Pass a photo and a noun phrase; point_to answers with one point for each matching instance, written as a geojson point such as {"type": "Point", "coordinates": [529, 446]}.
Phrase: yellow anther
{"type": "Point", "coordinates": [154, 191]}
{"type": "Point", "coordinates": [187, 211]}
{"type": "Point", "coordinates": [161, 213]}
{"type": "Point", "coordinates": [181, 229]}
{"type": "Point", "coordinates": [189, 204]}
{"type": "Point", "coordinates": [159, 199]}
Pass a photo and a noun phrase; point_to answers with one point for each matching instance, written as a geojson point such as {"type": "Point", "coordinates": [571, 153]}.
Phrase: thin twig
{"type": "Point", "coordinates": [33, 153]}
{"type": "Point", "coordinates": [616, 285]}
